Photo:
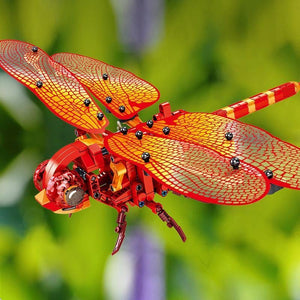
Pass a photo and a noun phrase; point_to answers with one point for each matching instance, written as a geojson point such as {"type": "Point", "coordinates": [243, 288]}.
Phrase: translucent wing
{"type": "Point", "coordinates": [191, 169]}
{"type": "Point", "coordinates": [250, 144]}
{"type": "Point", "coordinates": [127, 94]}
{"type": "Point", "coordinates": [53, 84]}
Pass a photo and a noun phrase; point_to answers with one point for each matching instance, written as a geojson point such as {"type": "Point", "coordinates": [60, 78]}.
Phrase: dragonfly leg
{"type": "Point", "coordinates": [170, 222]}
{"type": "Point", "coordinates": [158, 209]}
{"type": "Point", "coordinates": [120, 229]}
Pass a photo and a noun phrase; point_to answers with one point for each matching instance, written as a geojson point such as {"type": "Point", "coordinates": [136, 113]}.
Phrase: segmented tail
{"type": "Point", "coordinates": [259, 101]}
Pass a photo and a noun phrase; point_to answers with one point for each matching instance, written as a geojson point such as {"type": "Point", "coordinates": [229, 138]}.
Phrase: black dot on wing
{"type": "Point", "coordinates": [100, 116]}
{"type": "Point", "coordinates": [39, 84]}
{"type": "Point", "coordinates": [87, 102]}
{"type": "Point", "coordinates": [122, 108]}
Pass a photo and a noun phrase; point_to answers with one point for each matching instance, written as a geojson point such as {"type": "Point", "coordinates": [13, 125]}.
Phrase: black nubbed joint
{"type": "Point", "coordinates": [87, 102]}
{"type": "Point", "coordinates": [100, 116]}
{"type": "Point", "coordinates": [96, 195]}
{"type": "Point", "coordinates": [269, 174]}
{"type": "Point", "coordinates": [229, 136]}
{"type": "Point", "coordinates": [81, 173]}
{"type": "Point", "coordinates": [121, 108]}
{"type": "Point", "coordinates": [145, 157]}
{"type": "Point", "coordinates": [235, 162]}
{"type": "Point", "coordinates": [39, 84]}
{"type": "Point", "coordinates": [104, 151]}
{"type": "Point", "coordinates": [124, 130]}
{"type": "Point", "coordinates": [166, 130]}
{"type": "Point", "coordinates": [150, 123]}
{"type": "Point", "coordinates": [105, 76]}
{"type": "Point", "coordinates": [139, 134]}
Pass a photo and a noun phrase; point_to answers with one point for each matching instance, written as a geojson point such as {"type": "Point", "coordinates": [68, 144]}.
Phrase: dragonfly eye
{"type": "Point", "coordinates": [139, 134]}
{"type": "Point", "coordinates": [235, 162]}
{"type": "Point", "coordinates": [74, 195]}
{"type": "Point", "coordinates": [108, 99]}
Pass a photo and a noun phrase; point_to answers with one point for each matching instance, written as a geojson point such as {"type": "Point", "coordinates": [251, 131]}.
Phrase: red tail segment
{"type": "Point", "coordinates": [259, 101]}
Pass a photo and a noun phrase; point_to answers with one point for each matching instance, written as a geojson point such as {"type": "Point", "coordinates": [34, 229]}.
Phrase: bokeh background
{"type": "Point", "coordinates": [201, 55]}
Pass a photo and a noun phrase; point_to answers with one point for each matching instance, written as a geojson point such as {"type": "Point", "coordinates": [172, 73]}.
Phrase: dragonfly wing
{"type": "Point", "coordinates": [191, 169]}
{"type": "Point", "coordinates": [124, 88]}
{"type": "Point", "coordinates": [59, 89]}
{"type": "Point", "coordinates": [250, 144]}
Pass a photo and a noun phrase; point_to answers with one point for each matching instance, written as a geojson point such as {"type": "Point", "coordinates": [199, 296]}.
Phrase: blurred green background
{"type": "Point", "coordinates": [201, 55]}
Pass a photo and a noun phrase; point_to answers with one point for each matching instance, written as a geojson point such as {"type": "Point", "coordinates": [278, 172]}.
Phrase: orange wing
{"type": "Point", "coordinates": [249, 143]}
{"type": "Point", "coordinates": [123, 93]}
{"type": "Point", "coordinates": [53, 84]}
{"type": "Point", "coordinates": [191, 169]}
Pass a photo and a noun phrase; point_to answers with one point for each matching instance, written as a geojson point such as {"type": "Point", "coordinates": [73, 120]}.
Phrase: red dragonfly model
{"type": "Point", "coordinates": [210, 157]}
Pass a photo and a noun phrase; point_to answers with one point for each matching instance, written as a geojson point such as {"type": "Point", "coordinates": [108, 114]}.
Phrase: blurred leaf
{"type": "Point", "coordinates": [210, 54]}
{"type": "Point", "coordinates": [38, 21]}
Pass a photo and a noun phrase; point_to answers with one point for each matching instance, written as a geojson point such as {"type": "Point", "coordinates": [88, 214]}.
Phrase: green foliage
{"type": "Point", "coordinates": [210, 54]}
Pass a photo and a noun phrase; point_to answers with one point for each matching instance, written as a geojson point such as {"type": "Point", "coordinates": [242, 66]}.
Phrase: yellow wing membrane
{"type": "Point", "coordinates": [53, 84]}
{"type": "Point", "coordinates": [249, 143]}
{"type": "Point", "coordinates": [191, 169]}
{"type": "Point", "coordinates": [120, 91]}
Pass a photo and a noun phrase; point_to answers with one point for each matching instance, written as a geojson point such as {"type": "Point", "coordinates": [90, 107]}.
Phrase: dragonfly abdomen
{"type": "Point", "coordinates": [259, 101]}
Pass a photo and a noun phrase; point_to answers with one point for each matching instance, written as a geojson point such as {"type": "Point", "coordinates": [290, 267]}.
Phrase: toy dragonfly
{"type": "Point", "coordinates": [210, 157]}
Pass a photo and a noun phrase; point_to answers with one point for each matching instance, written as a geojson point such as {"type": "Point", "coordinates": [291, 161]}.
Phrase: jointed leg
{"type": "Point", "coordinates": [121, 228]}
{"type": "Point", "coordinates": [158, 209]}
